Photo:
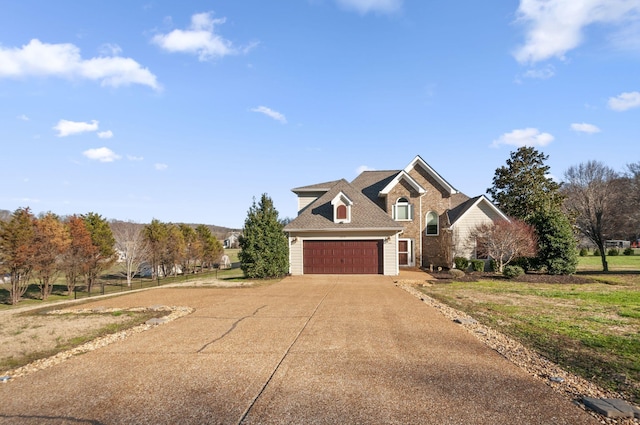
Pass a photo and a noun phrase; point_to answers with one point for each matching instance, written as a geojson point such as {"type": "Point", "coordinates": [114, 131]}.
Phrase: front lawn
{"type": "Point", "coordinates": [591, 329]}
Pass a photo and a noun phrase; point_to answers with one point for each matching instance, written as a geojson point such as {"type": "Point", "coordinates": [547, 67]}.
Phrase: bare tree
{"type": "Point", "coordinates": [504, 240]}
{"type": "Point", "coordinates": [131, 246]}
{"type": "Point", "coordinates": [592, 198]}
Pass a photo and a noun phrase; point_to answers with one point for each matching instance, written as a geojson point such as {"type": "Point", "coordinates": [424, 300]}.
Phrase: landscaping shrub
{"type": "Point", "coordinates": [584, 252]}
{"type": "Point", "coordinates": [477, 265]}
{"type": "Point", "coordinates": [511, 272]}
{"type": "Point", "coordinates": [628, 251]}
{"type": "Point", "coordinates": [596, 252]}
{"type": "Point", "coordinates": [527, 263]}
{"type": "Point", "coordinates": [493, 265]}
{"type": "Point", "coordinates": [613, 252]}
{"type": "Point", "coordinates": [456, 273]}
{"type": "Point", "coordinates": [461, 263]}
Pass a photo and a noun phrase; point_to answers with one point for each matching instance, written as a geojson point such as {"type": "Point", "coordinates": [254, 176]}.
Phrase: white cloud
{"type": "Point", "coordinates": [101, 154]}
{"type": "Point", "coordinates": [135, 158]}
{"type": "Point", "coordinates": [541, 73]}
{"type": "Point", "coordinates": [200, 38]}
{"type": "Point", "coordinates": [365, 6]}
{"type": "Point", "coordinates": [105, 134]}
{"type": "Point", "coordinates": [23, 117]}
{"type": "Point", "coordinates": [553, 27]}
{"type": "Point", "coordinates": [63, 60]}
{"type": "Point", "coordinates": [524, 137]}
{"type": "Point", "coordinates": [625, 101]}
{"type": "Point", "coordinates": [364, 168]}
{"type": "Point", "coordinates": [271, 113]}
{"type": "Point", "coordinates": [67, 128]}
{"type": "Point", "coordinates": [160, 167]}
{"type": "Point", "coordinates": [585, 128]}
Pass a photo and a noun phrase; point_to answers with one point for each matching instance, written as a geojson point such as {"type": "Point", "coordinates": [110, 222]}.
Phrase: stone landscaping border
{"type": "Point", "coordinates": [103, 341]}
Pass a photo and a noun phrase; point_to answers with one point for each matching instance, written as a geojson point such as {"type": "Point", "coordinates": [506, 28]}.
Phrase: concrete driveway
{"type": "Point", "coordinates": [329, 349]}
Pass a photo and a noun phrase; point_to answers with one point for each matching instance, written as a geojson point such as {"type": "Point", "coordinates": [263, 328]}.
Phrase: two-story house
{"type": "Point", "coordinates": [384, 220]}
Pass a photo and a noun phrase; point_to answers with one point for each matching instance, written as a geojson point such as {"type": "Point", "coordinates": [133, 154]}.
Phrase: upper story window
{"type": "Point", "coordinates": [402, 210]}
{"type": "Point", "coordinates": [341, 208]}
{"type": "Point", "coordinates": [341, 212]}
{"type": "Point", "coordinates": [432, 228]}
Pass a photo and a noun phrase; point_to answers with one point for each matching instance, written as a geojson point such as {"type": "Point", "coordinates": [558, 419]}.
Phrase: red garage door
{"type": "Point", "coordinates": [342, 257]}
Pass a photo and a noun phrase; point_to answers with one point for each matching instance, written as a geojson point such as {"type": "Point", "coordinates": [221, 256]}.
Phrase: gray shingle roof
{"type": "Point", "coordinates": [372, 182]}
{"type": "Point", "coordinates": [365, 214]}
{"type": "Point", "coordinates": [316, 187]}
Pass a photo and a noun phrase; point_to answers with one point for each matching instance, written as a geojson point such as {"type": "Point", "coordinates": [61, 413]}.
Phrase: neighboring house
{"type": "Point", "coordinates": [384, 220]}
{"type": "Point", "coordinates": [232, 241]}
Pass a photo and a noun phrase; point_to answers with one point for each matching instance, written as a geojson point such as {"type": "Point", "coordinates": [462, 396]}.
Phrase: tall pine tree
{"type": "Point", "coordinates": [523, 187]}
{"type": "Point", "coordinates": [264, 248]}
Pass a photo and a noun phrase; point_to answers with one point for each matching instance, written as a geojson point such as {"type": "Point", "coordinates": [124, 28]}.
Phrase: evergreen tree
{"type": "Point", "coordinates": [557, 251]}
{"type": "Point", "coordinates": [523, 187]}
{"type": "Point", "coordinates": [102, 238]}
{"type": "Point", "coordinates": [264, 248]}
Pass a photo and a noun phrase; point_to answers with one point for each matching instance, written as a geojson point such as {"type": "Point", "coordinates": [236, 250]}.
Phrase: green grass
{"type": "Point", "coordinates": [616, 262]}
{"type": "Point", "coordinates": [590, 329]}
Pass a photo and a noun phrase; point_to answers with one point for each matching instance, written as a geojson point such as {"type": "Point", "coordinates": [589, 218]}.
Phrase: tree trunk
{"type": "Point", "coordinates": [603, 257]}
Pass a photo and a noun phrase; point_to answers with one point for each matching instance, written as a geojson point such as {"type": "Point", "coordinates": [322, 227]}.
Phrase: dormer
{"type": "Point", "coordinates": [341, 208]}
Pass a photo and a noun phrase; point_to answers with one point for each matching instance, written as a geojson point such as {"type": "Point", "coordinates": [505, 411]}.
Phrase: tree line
{"type": "Point", "coordinates": [41, 249]}
{"type": "Point", "coordinates": [592, 201]}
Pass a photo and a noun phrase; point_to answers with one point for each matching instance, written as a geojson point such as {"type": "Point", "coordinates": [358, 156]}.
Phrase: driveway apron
{"type": "Point", "coordinates": [309, 349]}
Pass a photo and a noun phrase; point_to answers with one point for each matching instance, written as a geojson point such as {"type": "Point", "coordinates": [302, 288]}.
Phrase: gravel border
{"type": "Point", "coordinates": [103, 341]}
{"type": "Point", "coordinates": [571, 386]}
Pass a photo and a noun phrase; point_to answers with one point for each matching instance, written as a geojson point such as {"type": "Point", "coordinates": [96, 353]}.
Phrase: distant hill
{"type": "Point", "coordinates": [219, 232]}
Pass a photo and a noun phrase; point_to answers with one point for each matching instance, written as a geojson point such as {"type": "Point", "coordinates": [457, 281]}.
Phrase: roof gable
{"type": "Point", "coordinates": [456, 214]}
{"type": "Point", "coordinates": [402, 175]}
{"type": "Point", "coordinates": [418, 161]}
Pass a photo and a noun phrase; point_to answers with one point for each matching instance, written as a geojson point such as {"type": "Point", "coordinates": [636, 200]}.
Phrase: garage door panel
{"type": "Point", "coordinates": [343, 257]}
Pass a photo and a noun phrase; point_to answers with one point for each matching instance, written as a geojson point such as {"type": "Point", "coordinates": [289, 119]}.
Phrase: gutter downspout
{"type": "Point", "coordinates": [421, 256]}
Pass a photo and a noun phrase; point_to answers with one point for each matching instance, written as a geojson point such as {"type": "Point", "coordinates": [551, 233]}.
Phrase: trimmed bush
{"type": "Point", "coordinates": [511, 272]}
{"type": "Point", "coordinates": [596, 252]}
{"type": "Point", "coordinates": [628, 251]}
{"type": "Point", "coordinates": [493, 265]}
{"type": "Point", "coordinates": [584, 252]}
{"type": "Point", "coordinates": [456, 273]}
{"type": "Point", "coordinates": [477, 265]}
{"type": "Point", "coordinates": [461, 263]}
{"type": "Point", "coordinates": [613, 252]}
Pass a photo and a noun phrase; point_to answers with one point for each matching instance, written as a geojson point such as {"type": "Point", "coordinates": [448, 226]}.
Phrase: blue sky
{"type": "Point", "coordinates": [185, 111]}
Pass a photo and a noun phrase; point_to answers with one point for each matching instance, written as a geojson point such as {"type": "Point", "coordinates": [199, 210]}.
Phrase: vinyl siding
{"type": "Point", "coordinates": [479, 214]}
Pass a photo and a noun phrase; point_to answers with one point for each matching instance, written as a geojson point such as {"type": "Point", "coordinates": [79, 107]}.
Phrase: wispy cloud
{"type": "Point", "coordinates": [135, 158]}
{"type": "Point", "coordinates": [366, 6]}
{"type": "Point", "coordinates": [364, 168]}
{"type": "Point", "coordinates": [200, 39]}
{"type": "Point", "coordinates": [63, 60]}
{"type": "Point", "coordinates": [554, 27]}
{"type": "Point", "coordinates": [160, 167]}
{"type": "Point", "coordinates": [23, 117]}
{"type": "Point", "coordinates": [101, 154]}
{"type": "Point", "coordinates": [625, 101]}
{"type": "Point", "coordinates": [105, 134]}
{"type": "Point", "coordinates": [524, 137]}
{"type": "Point", "coordinates": [585, 128]}
{"type": "Point", "coordinates": [541, 73]}
{"type": "Point", "coordinates": [271, 113]}
{"type": "Point", "coordinates": [68, 128]}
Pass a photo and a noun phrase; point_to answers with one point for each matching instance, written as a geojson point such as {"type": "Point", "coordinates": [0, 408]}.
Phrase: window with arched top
{"type": "Point", "coordinates": [402, 210]}
{"type": "Point", "coordinates": [341, 212]}
{"type": "Point", "coordinates": [432, 224]}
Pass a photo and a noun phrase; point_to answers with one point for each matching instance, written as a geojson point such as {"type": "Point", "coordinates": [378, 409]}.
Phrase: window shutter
{"type": "Point", "coordinates": [410, 211]}
{"type": "Point", "coordinates": [393, 211]}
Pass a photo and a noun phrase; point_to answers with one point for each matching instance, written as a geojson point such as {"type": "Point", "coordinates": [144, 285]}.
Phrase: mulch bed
{"type": "Point", "coordinates": [446, 277]}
